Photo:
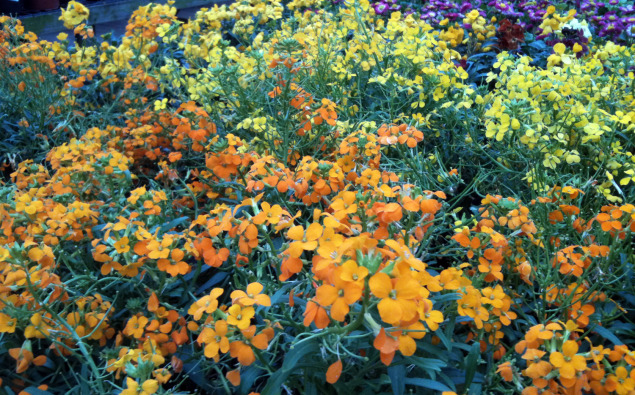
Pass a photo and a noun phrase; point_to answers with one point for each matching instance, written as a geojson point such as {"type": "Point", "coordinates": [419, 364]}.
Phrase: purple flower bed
{"type": "Point", "coordinates": [613, 20]}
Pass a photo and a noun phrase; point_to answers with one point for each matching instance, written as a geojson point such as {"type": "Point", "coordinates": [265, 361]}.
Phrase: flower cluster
{"type": "Point", "coordinates": [314, 197]}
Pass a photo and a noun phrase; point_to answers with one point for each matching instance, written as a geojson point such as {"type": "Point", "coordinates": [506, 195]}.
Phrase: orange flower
{"type": "Point", "coordinates": [388, 213]}
{"type": "Point", "coordinates": [242, 349]}
{"type": "Point", "coordinates": [159, 250]}
{"type": "Point", "coordinates": [340, 296]}
{"type": "Point", "coordinates": [431, 317]}
{"type": "Point", "coordinates": [135, 326]}
{"type": "Point", "coordinates": [303, 241]}
{"type": "Point", "coordinates": [122, 245]}
{"type": "Point", "coordinates": [609, 222]}
{"type": "Point", "coordinates": [24, 358]}
{"type": "Point", "coordinates": [240, 316]}
{"type": "Point", "coordinates": [536, 367]}
{"type": "Point", "coordinates": [470, 305]}
{"type": "Point", "coordinates": [39, 327]}
{"type": "Point", "coordinates": [248, 237]}
{"type": "Point", "coordinates": [175, 156]}
{"type": "Point", "coordinates": [317, 313]}
{"type": "Point", "coordinates": [490, 263]}
{"type": "Point", "coordinates": [252, 296]}
{"type": "Point", "coordinates": [568, 362]}
{"type": "Point", "coordinates": [505, 370]}
{"type": "Point", "coordinates": [621, 382]}
{"type": "Point", "coordinates": [214, 257]}
{"type": "Point", "coordinates": [224, 164]}
{"type": "Point", "coordinates": [344, 204]}
{"type": "Point", "coordinates": [402, 134]}
{"type": "Point", "coordinates": [369, 177]}
{"type": "Point", "coordinates": [493, 296]}
{"type": "Point", "coordinates": [598, 353]}
{"type": "Point", "coordinates": [7, 324]}
{"type": "Point", "coordinates": [175, 265]}
{"type": "Point", "coordinates": [351, 272]}
{"type": "Point", "coordinates": [387, 345]}
{"type": "Point", "coordinates": [289, 267]}
{"type": "Point", "coordinates": [215, 339]}
{"type": "Point", "coordinates": [207, 304]}
{"type": "Point", "coordinates": [269, 214]}
{"type": "Point", "coordinates": [571, 262]}
{"type": "Point", "coordinates": [580, 313]}
{"type": "Point", "coordinates": [396, 297]}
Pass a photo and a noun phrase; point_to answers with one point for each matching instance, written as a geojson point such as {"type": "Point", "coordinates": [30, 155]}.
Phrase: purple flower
{"type": "Point", "coordinates": [380, 8]}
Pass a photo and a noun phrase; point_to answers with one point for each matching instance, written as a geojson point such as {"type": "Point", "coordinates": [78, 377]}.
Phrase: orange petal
{"type": "Point", "coordinates": [389, 310]}
{"type": "Point", "coordinates": [296, 233]}
{"type": "Point", "coordinates": [153, 302]}
{"type": "Point", "coordinates": [570, 348]}
{"type": "Point", "coordinates": [380, 285]}
{"type": "Point", "coordinates": [407, 345]}
{"type": "Point", "coordinates": [260, 341]}
{"type": "Point", "coordinates": [334, 372]}
{"type": "Point", "coordinates": [234, 377]}
{"type": "Point", "coordinates": [556, 359]}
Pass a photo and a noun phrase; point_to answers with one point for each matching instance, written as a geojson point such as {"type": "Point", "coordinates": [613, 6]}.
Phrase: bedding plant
{"type": "Point", "coordinates": [320, 197]}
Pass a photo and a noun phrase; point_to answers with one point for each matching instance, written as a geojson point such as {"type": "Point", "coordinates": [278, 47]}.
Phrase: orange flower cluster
{"type": "Point", "coordinates": [402, 134]}
{"type": "Point", "coordinates": [233, 333]}
{"type": "Point", "coordinates": [557, 364]}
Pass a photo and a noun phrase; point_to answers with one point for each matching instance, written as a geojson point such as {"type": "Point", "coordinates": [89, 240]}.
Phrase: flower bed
{"type": "Point", "coordinates": [314, 197]}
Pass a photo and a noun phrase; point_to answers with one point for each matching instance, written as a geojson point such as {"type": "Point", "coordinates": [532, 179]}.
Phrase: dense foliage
{"type": "Point", "coordinates": [321, 197]}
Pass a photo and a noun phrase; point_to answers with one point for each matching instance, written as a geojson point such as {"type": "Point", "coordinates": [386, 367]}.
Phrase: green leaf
{"type": "Point", "coordinates": [445, 340]}
{"type": "Point", "coordinates": [428, 364]}
{"type": "Point", "coordinates": [247, 378]}
{"type": "Point", "coordinates": [291, 360]}
{"type": "Point", "coordinates": [275, 382]}
{"type": "Point", "coordinates": [397, 374]}
{"type": "Point", "coordinates": [172, 224]}
{"type": "Point", "coordinates": [608, 335]}
{"type": "Point", "coordinates": [446, 298]}
{"type": "Point", "coordinates": [297, 352]}
{"type": "Point", "coordinates": [471, 363]}
{"type": "Point", "coordinates": [429, 384]}
{"type": "Point", "coordinates": [281, 294]}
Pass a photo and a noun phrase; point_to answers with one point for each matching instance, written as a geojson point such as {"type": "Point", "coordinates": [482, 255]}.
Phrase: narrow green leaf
{"type": "Point", "coordinates": [608, 335]}
{"type": "Point", "coordinates": [471, 361]}
{"type": "Point", "coordinates": [397, 374]}
{"type": "Point", "coordinates": [429, 384]}
{"type": "Point", "coordinates": [428, 364]}
{"type": "Point", "coordinates": [446, 297]}
{"type": "Point", "coordinates": [275, 382]}
{"type": "Point", "coordinates": [297, 352]}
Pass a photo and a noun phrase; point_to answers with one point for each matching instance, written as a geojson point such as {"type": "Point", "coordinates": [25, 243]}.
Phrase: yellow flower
{"type": "Point", "coordinates": [559, 48]}
{"type": "Point", "coordinates": [160, 104]}
{"type": "Point", "coordinates": [74, 14]}
{"type": "Point", "coordinates": [572, 156]}
{"type": "Point", "coordinates": [148, 387]}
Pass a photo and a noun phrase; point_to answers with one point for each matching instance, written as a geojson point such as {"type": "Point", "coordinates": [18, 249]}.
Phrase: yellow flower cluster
{"type": "Point", "coordinates": [572, 110]}
{"type": "Point", "coordinates": [74, 14]}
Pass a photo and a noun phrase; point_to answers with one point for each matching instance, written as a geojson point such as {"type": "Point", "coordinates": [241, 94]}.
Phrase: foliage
{"type": "Point", "coordinates": [311, 197]}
